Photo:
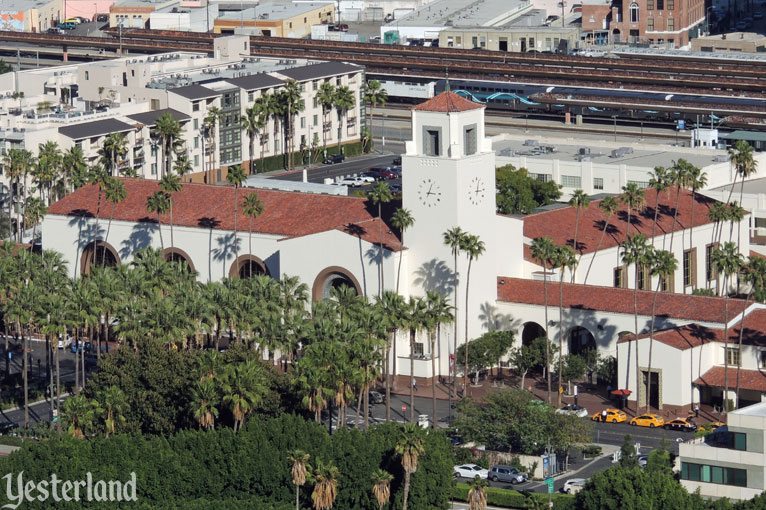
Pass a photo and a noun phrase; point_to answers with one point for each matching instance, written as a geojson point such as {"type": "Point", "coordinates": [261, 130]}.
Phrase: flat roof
{"type": "Point", "coordinates": [23, 5]}
{"type": "Point", "coordinates": [753, 410]}
{"type": "Point", "coordinates": [750, 136]}
{"type": "Point", "coordinates": [256, 81]}
{"type": "Point", "coordinates": [753, 186]}
{"type": "Point", "coordinates": [194, 92]}
{"type": "Point", "coordinates": [317, 71]}
{"type": "Point", "coordinates": [461, 13]}
{"type": "Point", "coordinates": [94, 128]}
{"type": "Point", "coordinates": [130, 3]}
{"type": "Point", "coordinates": [565, 150]}
{"type": "Point", "coordinates": [150, 118]}
{"type": "Point", "coordinates": [272, 11]}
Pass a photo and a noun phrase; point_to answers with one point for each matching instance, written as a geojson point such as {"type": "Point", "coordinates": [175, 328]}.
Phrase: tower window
{"type": "Point", "coordinates": [431, 142]}
{"type": "Point", "coordinates": [634, 12]}
{"type": "Point", "coordinates": [469, 140]}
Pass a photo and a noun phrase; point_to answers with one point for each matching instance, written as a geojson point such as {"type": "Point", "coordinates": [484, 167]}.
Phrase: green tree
{"type": "Point", "coordinates": [487, 350]}
{"type": "Point", "coordinates": [293, 104]}
{"type": "Point", "coordinates": [298, 463]}
{"type": "Point", "coordinates": [415, 321]}
{"type": "Point", "coordinates": [381, 487]}
{"type": "Point", "coordinates": [379, 194]}
{"type": "Point", "coordinates": [204, 403]}
{"type": "Point", "coordinates": [158, 202]}
{"type": "Point", "coordinates": [170, 184]}
{"type": "Point", "coordinates": [438, 312]}
{"type": "Point", "coordinates": [402, 219]}
{"type": "Point", "coordinates": [168, 130]}
{"type": "Point", "coordinates": [633, 197]}
{"type": "Point", "coordinates": [517, 193]}
{"type": "Point", "coordinates": [325, 485]}
{"type": "Point", "coordinates": [474, 248]}
{"type": "Point", "coordinates": [663, 265]}
{"type": "Point", "coordinates": [523, 359]}
{"type": "Point", "coordinates": [393, 311]}
{"type": "Point", "coordinates": [628, 453]}
{"type": "Point", "coordinates": [326, 97]}
{"type": "Point", "coordinates": [634, 251]}
{"type": "Point", "coordinates": [252, 124]}
{"type": "Point", "coordinates": [742, 157]}
{"type": "Point", "coordinates": [252, 207]}
{"type": "Point", "coordinates": [544, 251]}
{"type": "Point", "coordinates": [236, 177]}
{"type": "Point", "coordinates": [679, 175]}
{"type": "Point", "coordinates": [112, 404]}
{"type": "Point", "coordinates": [209, 123]}
{"type": "Point", "coordinates": [564, 258]}
{"type": "Point", "coordinates": [113, 149]}
{"type": "Point", "coordinates": [34, 213]}
{"type": "Point", "coordinates": [454, 238]}
{"type": "Point", "coordinates": [343, 101]}
{"type": "Point", "coordinates": [579, 200]}
{"type": "Point", "coordinates": [410, 447]}
{"type": "Point", "coordinates": [375, 95]}
{"type": "Point", "coordinates": [78, 414]}
{"type": "Point", "coordinates": [659, 181]}
{"type": "Point", "coordinates": [696, 180]}
{"type": "Point", "coordinates": [477, 494]}
{"type": "Point", "coordinates": [114, 192]}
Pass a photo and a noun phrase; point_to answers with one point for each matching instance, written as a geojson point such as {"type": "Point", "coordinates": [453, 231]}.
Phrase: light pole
{"type": "Point", "coordinates": [383, 145]}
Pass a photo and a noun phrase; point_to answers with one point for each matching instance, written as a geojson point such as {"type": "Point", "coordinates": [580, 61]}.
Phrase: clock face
{"type": "Point", "coordinates": [429, 193]}
{"type": "Point", "coordinates": [476, 190]}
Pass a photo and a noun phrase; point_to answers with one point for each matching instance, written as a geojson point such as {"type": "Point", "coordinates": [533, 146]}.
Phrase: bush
{"type": "Point", "coordinates": [279, 161]}
{"type": "Point", "coordinates": [592, 450]}
{"type": "Point", "coordinates": [514, 499]}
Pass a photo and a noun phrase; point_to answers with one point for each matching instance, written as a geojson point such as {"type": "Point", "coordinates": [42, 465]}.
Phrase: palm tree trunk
{"type": "Point", "coordinates": [454, 340]}
{"type": "Point", "coordinates": [76, 342]}
{"type": "Point", "coordinates": [547, 345]}
{"type": "Point", "coordinates": [691, 242]}
{"type": "Point", "coordinates": [393, 369]}
{"type": "Point", "coordinates": [561, 333]}
{"type": "Point", "coordinates": [171, 223]}
{"type": "Point", "coordinates": [159, 229]}
{"type": "Point", "coordinates": [25, 365]}
{"type": "Point", "coordinates": [412, 375]}
{"type": "Point", "coordinates": [388, 381]}
{"type": "Point", "coordinates": [7, 360]}
{"type": "Point", "coordinates": [433, 382]}
{"type": "Point", "coordinates": [651, 344]}
{"type": "Point", "coordinates": [726, 349]}
{"type": "Point", "coordinates": [406, 489]}
{"type": "Point", "coordinates": [741, 330]}
{"type": "Point", "coordinates": [656, 210]}
{"type": "Point", "coordinates": [675, 215]}
{"type": "Point", "coordinates": [467, 286]}
{"type": "Point", "coordinates": [574, 247]}
{"type": "Point", "coordinates": [358, 406]}
{"type": "Point", "coordinates": [366, 398]}
{"type": "Point", "coordinates": [297, 500]}
{"type": "Point", "coordinates": [58, 391]}
{"type": "Point", "coordinates": [380, 247]}
{"type": "Point", "coordinates": [95, 232]}
{"type": "Point", "coordinates": [236, 244]}
{"type": "Point", "coordinates": [635, 317]}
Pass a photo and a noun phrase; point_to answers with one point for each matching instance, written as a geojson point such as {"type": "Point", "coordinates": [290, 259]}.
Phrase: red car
{"type": "Point", "coordinates": [385, 172]}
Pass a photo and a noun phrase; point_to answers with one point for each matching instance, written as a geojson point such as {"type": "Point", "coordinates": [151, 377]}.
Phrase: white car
{"type": "Point", "coordinates": [354, 182]}
{"type": "Point", "coordinates": [471, 471]}
{"type": "Point", "coordinates": [367, 178]}
{"type": "Point", "coordinates": [64, 343]}
{"type": "Point", "coordinates": [573, 485]}
{"type": "Point", "coordinates": [574, 410]}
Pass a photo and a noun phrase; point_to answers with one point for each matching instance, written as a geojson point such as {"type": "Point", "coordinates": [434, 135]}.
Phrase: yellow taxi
{"type": "Point", "coordinates": [611, 416]}
{"type": "Point", "coordinates": [648, 420]}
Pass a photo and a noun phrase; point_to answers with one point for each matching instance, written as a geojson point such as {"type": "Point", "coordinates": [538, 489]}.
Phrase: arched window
{"type": "Point", "coordinates": [634, 12]}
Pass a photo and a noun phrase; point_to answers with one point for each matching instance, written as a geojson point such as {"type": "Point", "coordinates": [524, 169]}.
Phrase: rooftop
{"type": "Point", "coordinates": [274, 10]}
{"type": "Point", "coordinates": [748, 380]}
{"type": "Point", "coordinates": [256, 81]}
{"type": "Point", "coordinates": [317, 71]}
{"type": "Point", "coordinates": [150, 118]}
{"type": "Point", "coordinates": [753, 186]}
{"type": "Point", "coordinates": [287, 214]}
{"type": "Point", "coordinates": [758, 409]}
{"type": "Point", "coordinates": [463, 13]}
{"type": "Point", "coordinates": [194, 92]}
{"type": "Point", "coordinates": [131, 3]}
{"type": "Point", "coordinates": [610, 299]}
{"type": "Point", "coordinates": [20, 5]}
{"type": "Point", "coordinates": [559, 224]}
{"type": "Point", "coordinates": [94, 128]}
{"type": "Point", "coordinates": [447, 102]}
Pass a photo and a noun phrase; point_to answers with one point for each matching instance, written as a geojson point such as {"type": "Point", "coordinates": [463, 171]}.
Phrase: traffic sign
{"type": "Point", "coordinates": [404, 409]}
{"type": "Point", "coordinates": [549, 483]}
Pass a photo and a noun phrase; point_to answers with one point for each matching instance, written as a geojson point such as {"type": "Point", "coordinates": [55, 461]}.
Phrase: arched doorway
{"type": "Point", "coordinates": [531, 331]}
{"type": "Point", "coordinates": [616, 36]}
{"type": "Point", "coordinates": [247, 266]}
{"type": "Point", "coordinates": [332, 278]}
{"type": "Point", "coordinates": [105, 256]}
{"type": "Point", "coordinates": [178, 255]}
{"type": "Point", "coordinates": [580, 340]}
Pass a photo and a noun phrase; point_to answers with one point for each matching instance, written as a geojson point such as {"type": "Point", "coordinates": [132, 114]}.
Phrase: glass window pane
{"type": "Point", "coordinates": [740, 477]}
{"type": "Point", "coordinates": [740, 441]}
{"type": "Point", "coordinates": [717, 474]}
{"type": "Point", "coordinates": [694, 472]}
{"type": "Point", "coordinates": [684, 471]}
{"type": "Point", "coordinates": [705, 472]}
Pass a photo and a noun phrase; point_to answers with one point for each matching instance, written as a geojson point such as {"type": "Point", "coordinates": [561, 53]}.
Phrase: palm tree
{"type": "Point", "coordinates": [113, 404]}
{"type": "Point", "coordinates": [325, 486]}
{"type": "Point", "coordinates": [158, 202]}
{"type": "Point", "coordinates": [409, 448]}
{"type": "Point", "coordinates": [326, 97]}
{"type": "Point", "coordinates": [696, 180]}
{"type": "Point", "coordinates": [114, 192]}
{"type": "Point", "coordinates": [75, 168]}
{"type": "Point", "coordinates": [204, 403]}
{"type": "Point", "coordinates": [415, 322]}
{"type": "Point", "coordinates": [474, 248]}
{"type": "Point", "coordinates": [298, 459]}
{"type": "Point", "coordinates": [454, 238]}
{"type": "Point", "coordinates": [261, 105]}
{"type": "Point", "coordinates": [100, 178]}
{"type": "Point", "coordinates": [393, 309]}
{"type": "Point", "coordinates": [381, 486]}
{"type": "Point", "coordinates": [662, 264]}
{"type": "Point", "coordinates": [344, 101]}
{"type": "Point", "coordinates": [275, 109]}
{"type": "Point", "coordinates": [380, 194]}
{"type": "Point", "coordinates": [564, 259]}
{"type": "Point", "coordinates": [49, 159]}
{"type": "Point", "coordinates": [754, 271]}
{"type": "Point", "coordinates": [438, 312]}
{"type": "Point", "coordinates": [17, 163]}
{"type": "Point", "coordinates": [634, 251]}
{"type": "Point", "coordinates": [679, 173]}
{"type": "Point", "coordinates": [659, 180]}
{"type": "Point", "coordinates": [579, 200]}
{"type": "Point", "coordinates": [242, 391]}
{"type": "Point", "coordinates": [182, 165]}
{"type": "Point", "coordinates": [212, 118]}
{"type": "Point", "coordinates": [115, 147]}
{"type": "Point", "coordinates": [170, 184]}
{"type": "Point", "coordinates": [251, 125]}
{"type": "Point", "coordinates": [608, 206]}
{"type": "Point", "coordinates": [168, 130]}
{"type": "Point", "coordinates": [633, 197]}
{"type": "Point", "coordinates": [477, 494]}
{"type": "Point", "coordinates": [727, 260]}
{"type": "Point", "coordinates": [742, 157]}
{"type": "Point", "coordinates": [402, 219]}
{"type": "Point", "coordinates": [79, 413]}
{"type": "Point", "coordinates": [236, 176]}
{"type": "Point", "coordinates": [375, 95]}
{"type": "Point", "coordinates": [18, 95]}
{"type": "Point", "coordinates": [293, 104]}
{"type": "Point", "coordinates": [34, 213]}
{"type": "Point", "coordinates": [252, 207]}
{"type": "Point", "coordinates": [543, 250]}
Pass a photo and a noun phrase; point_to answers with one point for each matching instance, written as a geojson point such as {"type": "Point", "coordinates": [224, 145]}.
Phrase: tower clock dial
{"type": "Point", "coordinates": [429, 193]}
{"type": "Point", "coordinates": [476, 190]}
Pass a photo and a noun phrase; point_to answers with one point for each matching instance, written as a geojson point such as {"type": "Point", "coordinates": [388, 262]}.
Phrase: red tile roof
{"type": "Point", "coordinates": [447, 102]}
{"type": "Point", "coordinates": [610, 299]}
{"type": "Point", "coordinates": [559, 224]}
{"type": "Point", "coordinates": [285, 213]}
{"type": "Point", "coordinates": [369, 231]}
{"type": "Point", "coordinates": [748, 379]}
{"type": "Point", "coordinates": [693, 335]}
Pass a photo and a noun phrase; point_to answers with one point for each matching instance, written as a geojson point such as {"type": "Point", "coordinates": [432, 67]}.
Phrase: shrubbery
{"type": "Point", "coordinates": [514, 499]}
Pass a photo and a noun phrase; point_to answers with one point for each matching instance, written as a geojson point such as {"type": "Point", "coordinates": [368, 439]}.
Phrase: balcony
{"type": "Point", "coordinates": [327, 126]}
{"type": "Point", "coordinates": [351, 122]}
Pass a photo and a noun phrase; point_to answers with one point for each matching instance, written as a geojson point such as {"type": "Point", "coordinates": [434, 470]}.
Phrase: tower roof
{"type": "Point", "coordinates": [447, 102]}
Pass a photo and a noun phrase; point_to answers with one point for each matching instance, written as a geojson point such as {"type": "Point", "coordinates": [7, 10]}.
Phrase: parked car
{"type": "Point", "coordinates": [682, 424]}
{"type": "Point", "coordinates": [64, 342]}
{"type": "Point", "coordinates": [75, 20]}
{"type": "Point", "coordinates": [648, 420]}
{"type": "Point", "coordinates": [397, 161]}
{"type": "Point", "coordinates": [573, 485]}
{"type": "Point", "coordinates": [574, 410]}
{"type": "Point", "coordinates": [7, 427]}
{"type": "Point", "coordinates": [335, 158]}
{"type": "Point", "coordinates": [102, 18]}
{"type": "Point", "coordinates": [342, 27]}
{"type": "Point", "coordinates": [742, 25]}
{"type": "Point", "coordinates": [67, 25]}
{"type": "Point", "coordinates": [352, 181]}
{"type": "Point", "coordinates": [470, 471]}
{"type": "Point", "coordinates": [367, 178]}
{"type": "Point", "coordinates": [507, 474]}
{"type": "Point", "coordinates": [374, 175]}
{"type": "Point", "coordinates": [758, 15]}
{"type": "Point", "coordinates": [377, 398]}
{"type": "Point", "coordinates": [76, 347]}
{"type": "Point", "coordinates": [82, 19]}
{"type": "Point", "coordinates": [643, 460]}
{"type": "Point", "coordinates": [397, 170]}
{"type": "Point", "coordinates": [55, 30]}
{"type": "Point", "coordinates": [395, 188]}
{"type": "Point", "coordinates": [384, 171]}
{"type": "Point", "coordinates": [612, 416]}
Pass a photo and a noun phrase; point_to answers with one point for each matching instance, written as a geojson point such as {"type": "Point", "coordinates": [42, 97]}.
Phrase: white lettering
{"type": "Point", "coordinates": [19, 498]}
{"type": "Point", "coordinates": [99, 491]}
{"type": "Point", "coordinates": [77, 485]}
{"type": "Point", "coordinates": [129, 490]}
{"type": "Point", "coordinates": [42, 489]}
{"type": "Point", "coordinates": [115, 490]}
{"type": "Point", "coordinates": [55, 487]}
{"type": "Point", "coordinates": [65, 488]}
{"type": "Point", "coordinates": [89, 479]}
{"type": "Point", "coordinates": [29, 487]}
{"type": "Point", "coordinates": [58, 490]}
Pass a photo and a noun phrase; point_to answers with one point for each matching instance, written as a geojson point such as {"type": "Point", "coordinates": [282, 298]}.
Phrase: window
{"type": "Point", "coordinates": [671, 24]}
{"type": "Point", "coordinates": [619, 277]}
{"type": "Point", "coordinates": [660, 4]}
{"type": "Point", "coordinates": [650, 25]}
{"type": "Point", "coordinates": [634, 12]}
{"type": "Point", "coordinates": [640, 184]}
{"type": "Point", "coordinates": [644, 278]}
{"type": "Point", "coordinates": [431, 144]}
{"type": "Point", "coordinates": [762, 356]}
{"type": "Point", "coordinates": [671, 5]}
{"type": "Point", "coordinates": [738, 441]}
{"type": "Point", "coordinates": [475, 41]}
{"type": "Point", "coordinates": [196, 142]}
{"type": "Point", "coordinates": [316, 102]}
{"type": "Point", "coordinates": [650, 5]}
{"type": "Point", "coordinates": [711, 273]}
{"type": "Point", "coordinates": [250, 96]}
{"type": "Point", "coordinates": [291, 24]}
{"type": "Point", "coordinates": [690, 267]}
{"type": "Point", "coordinates": [87, 77]}
{"type": "Point", "coordinates": [469, 140]}
{"type": "Point", "coordinates": [598, 183]}
{"type": "Point", "coordinates": [154, 168]}
{"type": "Point", "coordinates": [571, 181]}
{"type": "Point", "coordinates": [713, 474]}
{"type": "Point", "coordinates": [732, 356]}
{"type": "Point", "coordinates": [195, 106]}
{"type": "Point", "coordinates": [541, 177]}
{"type": "Point", "coordinates": [666, 283]}
{"type": "Point", "coordinates": [196, 160]}
{"type": "Point", "coordinates": [196, 124]}
{"type": "Point", "coordinates": [315, 120]}
{"type": "Point", "coordinates": [338, 81]}
{"type": "Point", "coordinates": [314, 85]}
{"type": "Point", "coordinates": [417, 350]}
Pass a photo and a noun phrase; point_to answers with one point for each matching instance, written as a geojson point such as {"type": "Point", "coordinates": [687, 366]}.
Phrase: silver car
{"type": "Point", "coordinates": [507, 474]}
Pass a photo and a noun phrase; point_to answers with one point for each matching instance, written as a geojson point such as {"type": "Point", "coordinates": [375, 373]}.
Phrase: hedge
{"type": "Point", "coordinates": [514, 499]}
{"type": "Point", "coordinates": [279, 161]}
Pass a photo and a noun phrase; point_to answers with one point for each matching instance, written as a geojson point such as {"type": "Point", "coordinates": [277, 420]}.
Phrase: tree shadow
{"type": "Point", "coordinates": [357, 231]}
{"type": "Point", "coordinates": [228, 245]}
{"type": "Point", "coordinates": [139, 239]}
{"type": "Point", "coordinates": [635, 219]}
{"type": "Point", "coordinates": [209, 223]}
{"type": "Point", "coordinates": [435, 275]}
{"type": "Point", "coordinates": [492, 320]}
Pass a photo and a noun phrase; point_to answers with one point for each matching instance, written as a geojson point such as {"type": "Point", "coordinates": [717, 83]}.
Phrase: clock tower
{"type": "Point", "coordinates": [448, 180]}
